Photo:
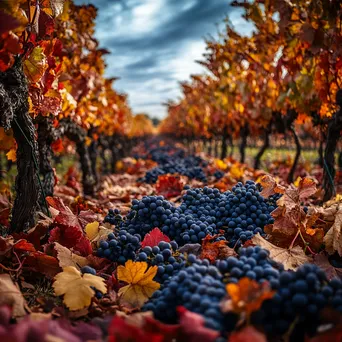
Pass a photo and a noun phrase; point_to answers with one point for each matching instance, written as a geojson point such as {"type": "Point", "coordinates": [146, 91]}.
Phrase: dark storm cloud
{"type": "Point", "coordinates": [154, 43]}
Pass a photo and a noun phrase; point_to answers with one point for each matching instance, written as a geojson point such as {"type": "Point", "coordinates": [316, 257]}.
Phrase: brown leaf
{"type": "Point", "coordinates": [290, 258]}
{"type": "Point", "coordinates": [213, 250]}
{"type": "Point", "coordinates": [248, 334]}
{"type": "Point", "coordinates": [246, 296]}
{"type": "Point", "coordinates": [322, 262]}
{"type": "Point", "coordinates": [270, 186]}
{"type": "Point", "coordinates": [67, 258]}
{"type": "Point", "coordinates": [306, 188]}
{"type": "Point", "coordinates": [333, 238]}
{"type": "Point", "coordinates": [11, 295]}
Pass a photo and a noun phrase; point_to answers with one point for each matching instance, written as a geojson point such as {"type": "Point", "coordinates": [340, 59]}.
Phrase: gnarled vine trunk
{"type": "Point", "coordinates": [264, 147]}
{"type": "Point", "coordinates": [78, 136]}
{"type": "Point", "coordinates": [224, 145]}
{"type": "Point", "coordinates": [298, 151]}
{"type": "Point", "coordinates": [334, 134]}
{"type": "Point", "coordinates": [45, 138]}
{"type": "Point", "coordinates": [92, 151]}
{"type": "Point", "coordinates": [14, 113]}
{"type": "Point", "coordinates": [244, 134]}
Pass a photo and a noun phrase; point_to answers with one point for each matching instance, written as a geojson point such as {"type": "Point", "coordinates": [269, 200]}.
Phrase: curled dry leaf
{"type": "Point", "coordinates": [77, 288]}
{"type": "Point", "coordinates": [290, 258]}
{"type": "Point", "coordinates": [249, 334]}
{"type": "Point", "coordinates": [214, 250]}
{"type": "Point", "coordinates": [140, 281]}
{"type": "Point", "coordinates": [67, 258]}
{"type": "Point", "coordinates": [333, 238]}
{"type": "Point", "coordinates": [10, 295]}
{"type": "Point", "coordinates": [246, 296]}
{"type": "Point", "coordinates": [270, 186]}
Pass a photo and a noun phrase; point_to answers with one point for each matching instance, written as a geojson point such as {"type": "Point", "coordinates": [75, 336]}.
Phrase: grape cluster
{"type": "Point", "coordinates": [272, 201]}
{"type": "Point", "coordinates": [300, 295]}
{"type": "Point", "coordinates": [173, 161]}
{"type": "Point", "coordinates": [120, 248]}
{"type": "Point", "coordinates": [252, 262]}
{"type": "Point", "coordinates": [198, 287]}
{"type": "Point", "coordinates": [248, 213]}
{"type": "Point", "coordinates": [114, 217]}
{"type": "Point", "coordinates": [164, 256]}
{"type": "Point", "coordinates": [146, 214]}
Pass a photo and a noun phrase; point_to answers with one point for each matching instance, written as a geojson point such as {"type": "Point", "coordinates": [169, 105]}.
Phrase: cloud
{"type": "Point", "coordinates": [154, 44]}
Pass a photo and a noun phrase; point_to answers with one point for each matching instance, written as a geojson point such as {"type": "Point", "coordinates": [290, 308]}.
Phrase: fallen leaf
{"type": "Point", "coordinates": [92, 229]}
{"type": "Point", "coordinates": [11, 295]}
{"type": "Point", "coordinates": [76, 288]}
{"type": "Point", "coordinates": [246, 296]}
{"type": "Point", "coordinates": [43, 263]}
{"type": "Point", "coordinates": [290, 258]}
{"type": "Point", "coordinates": [306, 188]}
{"type": "Point", "coordinates": [214, 250]}
{"type": "Point", "coordinates": [249, 334]}
{"type": "Point", "coordinates": [333, 238]}
{"type": "Point", "coordinates": [323, 262]}
{"type": "Point", "coordinates": [270, 186]}
{"type": "Point", "coordinates": [191, 248]}
{"type": "Point", "coordinates": [193, 327]}
{"type": "Point", "coordinates": [140, 281]}
{"type": "Point", "coordinates": [67, 258]}
{"type": "Point", "coordinates": [169, 185]}
{"type": "Point", "coordinates": [153, 238]}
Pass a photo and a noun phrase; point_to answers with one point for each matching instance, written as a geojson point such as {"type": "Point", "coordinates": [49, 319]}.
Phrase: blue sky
{"type": "Point", "coordinates": [154, 44]}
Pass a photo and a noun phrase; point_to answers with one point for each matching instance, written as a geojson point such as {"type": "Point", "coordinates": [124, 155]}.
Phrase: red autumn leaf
{"type": "Point", "coordinates": [57, 146]}
{"type": "Point", "coordinates": [121, 331]}
{"type": "Point", "coordinates": [43, 263]}
{"type": "Point", "coordinates": [169, 186]}
{"type": "Point", "coordinates": [249, 334]}
{"type": "Point", "coordinates": [24, 246]}
{"type": "Point", "coordinates": [87, 216]}
{"type": "Point", "coordinates": [170, 332]}
{"type": "Point", "coordinates": [152, 239]}
{"type": "Point", "coordinates": [6, 245]}
{"type": "Point", "coordinates": [192, 325]}
{"type": "Point", "coordinates": [83, 246]}
{"type": "Point", "coordinates": [213, 250]}
{"type": "Point", "coordinates": [68, 230]}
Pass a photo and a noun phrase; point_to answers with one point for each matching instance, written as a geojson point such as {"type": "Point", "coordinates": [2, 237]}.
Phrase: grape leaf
{"type": "Point", "coordinates": [246, 296]}
{"type": "Point", "coordinates": [11, 295]}
{"type": "Point", "coordinates": [67, 258]}
{"type": "Point", "coordinates": [76, 288]}
{"type": "Point", "coordinates": [140, 281]}
{"type": "Point", "coordinates": [249, 334]}
{"type": "Point", "coordinates": [290, 258]}
{"type": "Point", "coordinates": [333, 238]}
{"type": "Point", "coordinates": [270, 186]}
{"type": "Point", "coordinates": [153, 238]}
{"type": "Point", "coordinates": [35, 65]}
{"type": "Point", "coordinates": [214, 250]}
{"type": "Point", "coordinates": [92, 229]}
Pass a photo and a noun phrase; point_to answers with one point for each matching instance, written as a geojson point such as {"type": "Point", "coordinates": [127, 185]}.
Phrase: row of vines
{"type": "Point", "coordinates": [53, 92]}
{"type": "Point", "coordinates": [284, 79]}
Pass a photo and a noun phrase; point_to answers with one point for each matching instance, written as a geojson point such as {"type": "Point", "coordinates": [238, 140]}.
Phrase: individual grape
{"type": "Point", "coordinates": [88, 269]}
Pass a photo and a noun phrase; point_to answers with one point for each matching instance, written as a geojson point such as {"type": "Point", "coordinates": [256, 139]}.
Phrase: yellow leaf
{"type": "Point", "coordinates": [141, 285]}
{"type": "Point", "coordinates": [76, 288]}
{"type": "Point", "coordinates": [12, 155]}
{"type": "Point", "coordinates": [236, 171]}
{"type": "Point", "coordinates": [67, 258]}
{"type": "Point", "coordinates": [35, 65]}
{"type": "Point", "coordinates": [92, 229]}
{"type": "Point", "coordinates": [88, 141]}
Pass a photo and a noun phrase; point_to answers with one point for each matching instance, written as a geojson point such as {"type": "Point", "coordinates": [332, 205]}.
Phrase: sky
{"type": "Point", "coordinates": [154, 44]}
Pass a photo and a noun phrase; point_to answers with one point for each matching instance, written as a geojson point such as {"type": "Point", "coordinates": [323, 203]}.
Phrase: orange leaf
{"type": "Point", "coordinates": [213, 250]}
{"type": "Point", "coordinates": [247, 296]}
{"type": "Point", "coordinates": [12, 155]}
